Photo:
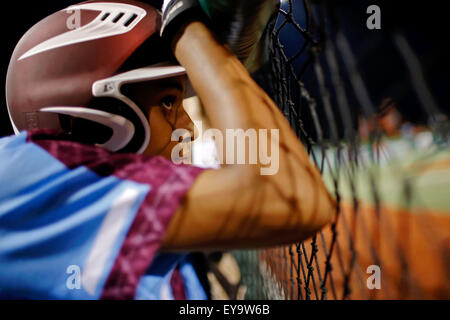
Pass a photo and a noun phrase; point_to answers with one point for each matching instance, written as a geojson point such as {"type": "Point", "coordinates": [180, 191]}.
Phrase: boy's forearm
{"type": "Point", "coordinates": [230, 96]}
{"type": "Point", "coordinates": [214, 72]}
{"type": "Point", "coordinates": [295, 203]}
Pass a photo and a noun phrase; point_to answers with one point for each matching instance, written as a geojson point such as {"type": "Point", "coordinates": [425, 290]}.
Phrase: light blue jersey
{"type": "Point", "coordinates": [77, 222]}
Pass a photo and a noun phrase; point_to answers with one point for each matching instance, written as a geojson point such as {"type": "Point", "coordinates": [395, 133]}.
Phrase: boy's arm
{"type": "Point", "coordinates": [237, 207]}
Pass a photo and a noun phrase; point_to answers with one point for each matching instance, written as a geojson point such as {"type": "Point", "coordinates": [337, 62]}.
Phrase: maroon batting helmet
{"type": "Point", "coordinates": [73, 63]}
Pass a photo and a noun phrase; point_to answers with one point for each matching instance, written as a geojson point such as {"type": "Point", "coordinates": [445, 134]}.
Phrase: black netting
{"type": "Point", "coordinates": [371, 107]}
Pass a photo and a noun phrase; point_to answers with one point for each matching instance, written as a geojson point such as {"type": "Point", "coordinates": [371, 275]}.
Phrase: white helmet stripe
{"type": "Point", "coordinates": [100, 27]}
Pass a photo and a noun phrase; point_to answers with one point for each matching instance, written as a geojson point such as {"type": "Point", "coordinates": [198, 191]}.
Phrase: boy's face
{"type": "Point", "coordinates": [162, 103]}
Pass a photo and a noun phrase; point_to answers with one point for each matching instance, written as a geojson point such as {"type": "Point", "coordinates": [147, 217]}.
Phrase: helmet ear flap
{"type": "Point", "coordinates": [120, 108]}
{"type": "Point", "coordinates": [84, 131]}
{"type": "Point", "coordinates": [107, 131]}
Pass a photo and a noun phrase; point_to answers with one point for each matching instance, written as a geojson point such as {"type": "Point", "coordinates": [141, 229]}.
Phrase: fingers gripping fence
{"type": "Point", "coordinates": [390, 239]}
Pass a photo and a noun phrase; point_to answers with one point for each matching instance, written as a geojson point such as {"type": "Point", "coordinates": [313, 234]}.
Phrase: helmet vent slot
{"type": "Point", "coordinates": [105, 16]}
{"type": "Point", "coordinates": [130, 21]}
{"type": "Point", "coordinates": [118, 17]}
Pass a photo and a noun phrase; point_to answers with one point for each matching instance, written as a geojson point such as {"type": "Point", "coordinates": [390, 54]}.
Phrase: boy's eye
{"type": "Point", "coordinates": [168, 102]}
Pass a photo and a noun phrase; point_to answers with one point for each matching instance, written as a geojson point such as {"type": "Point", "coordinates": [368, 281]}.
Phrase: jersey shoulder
{"type": "Point", "coordinates": [73, 204]}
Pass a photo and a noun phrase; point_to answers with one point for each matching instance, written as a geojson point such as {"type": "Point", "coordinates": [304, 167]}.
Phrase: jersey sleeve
{"type": "Point", "coordinates": [78, 222]}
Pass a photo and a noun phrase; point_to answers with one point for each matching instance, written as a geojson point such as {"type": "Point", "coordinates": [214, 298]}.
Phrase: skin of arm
{"type": "Point", "coordinates": [236, 207]}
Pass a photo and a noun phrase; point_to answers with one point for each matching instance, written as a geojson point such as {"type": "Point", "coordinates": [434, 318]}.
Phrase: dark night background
{"type": "Point", "coordinates": [426, 22]}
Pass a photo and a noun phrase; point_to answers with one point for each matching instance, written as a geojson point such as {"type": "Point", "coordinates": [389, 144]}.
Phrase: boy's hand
{"type": "Point", "coordinates": [175, 13]}
{"type": "Point", "coordinates": [238, 24]}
